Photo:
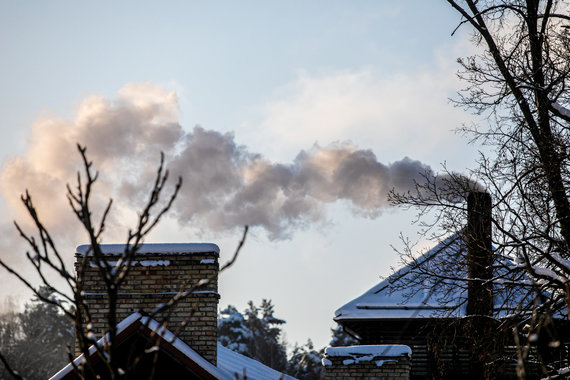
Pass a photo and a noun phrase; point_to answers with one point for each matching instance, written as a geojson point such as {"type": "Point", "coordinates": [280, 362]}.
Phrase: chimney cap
{"type": "Point", "coordinates": [154, 249]}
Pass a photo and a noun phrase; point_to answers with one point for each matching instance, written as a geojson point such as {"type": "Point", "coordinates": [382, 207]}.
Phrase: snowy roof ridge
{"type": "Point", "coordinates": [157, 328]}
{"type": "Point", "coordinates": [154, 248]}
{"type": "Point", "coordinates": [381, 301]}
{"type": "Point", "coordinates": [444, 244]}
{"type": "Point", "coordinates": [229, 362]}
{"type": "Point", "coordinates": [411, 293]}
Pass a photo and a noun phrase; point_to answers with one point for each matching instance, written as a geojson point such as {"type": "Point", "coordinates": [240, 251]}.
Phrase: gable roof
{"type": "Point", "coordinates": [176, 348]}
{"type": "Point", "coordinates": [414, 291]}
{"type": "Point", "coordinates": [230, 363]}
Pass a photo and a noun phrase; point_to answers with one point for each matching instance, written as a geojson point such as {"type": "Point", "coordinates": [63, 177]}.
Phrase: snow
{"type": "Point", "coordinates": [181, 346]}
{"type": "Point", "coordinates": [545, 272]}
{"type": "Point", "coordinates": [231, 363]}
{"type": "Point", "coordinates": [233, 317]}
{"type": "Point", "coordinates": [144, 263]}
{"type": "Point", "coordinates": [393, 298]}
{"type": "Point", "coordinates": [551, 274]}
{"type": "Point", "coordinates": [153, 263]}
{"type": "Point", "coordinates": [393, 350]}
{"type": "Point", "coordinates": [152, 293]}
{"type": "Point", "coordinates": [562, 261]}
{"type": "Point", "coordinates": [162, 332]}
{"type": "Point", "coordinates": [207, 261]}
{"type": "Point", "coordinates": [155, 248]}
{"type": "Point", "coordinates": [410, 293]}
{"type": "Point", "coordinates": [366, 353]}
{"type": "Point", "coordinates": [80, 360]}
{"type": "Point", "coordinates": [560, 108]}
{"type": "Point", "coordinates": [560, 372]}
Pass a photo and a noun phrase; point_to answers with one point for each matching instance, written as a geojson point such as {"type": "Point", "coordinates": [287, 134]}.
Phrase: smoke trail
{"type": "Point", "coordinates": [122, 137]}
{"type": "Point", "coordinates": [229, 186]}
{"type": "Point", "coordinates": [225, 184]}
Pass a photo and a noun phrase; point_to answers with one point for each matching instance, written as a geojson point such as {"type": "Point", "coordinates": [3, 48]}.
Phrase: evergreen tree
{"type": "Point", "coordinates": [232, 331]}
{"type": "Point", "coordinates": [256, 333]}
{"type": "Point", "coordinates": [36, 340]}
{"type": "Point", "coordinates": [305, 362]}
{"type": "Point", "coordinates": [340, 338]}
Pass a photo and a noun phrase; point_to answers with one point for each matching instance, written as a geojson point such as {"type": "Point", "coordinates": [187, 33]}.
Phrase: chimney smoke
{"type": "Point", "coordinates": [226, 185]}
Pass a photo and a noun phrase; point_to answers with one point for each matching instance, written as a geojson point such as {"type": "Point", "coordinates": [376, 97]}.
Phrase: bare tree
{"type": "Point", "coordinates": [518, 83]}
{"type": "Point", "coordinates": [46, 259]}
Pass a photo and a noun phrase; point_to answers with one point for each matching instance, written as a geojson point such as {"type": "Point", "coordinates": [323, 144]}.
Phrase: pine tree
{"type": "Point", "coordinates": [256, 333]}
{"type": "Point", "coordinates": [305, 362]}
{"type": "Point", "coordinates": [232, 331]}
{"type": "Point", "coordinates": [341, 338]}
{"type": "Point", "coordinates": [35, 341]}
{"type": "Point", "coordinates": [266, 345]}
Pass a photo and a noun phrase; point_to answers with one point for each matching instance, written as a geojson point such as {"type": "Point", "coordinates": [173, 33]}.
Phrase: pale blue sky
{"type": "Point", "coordinates": [281, 77]}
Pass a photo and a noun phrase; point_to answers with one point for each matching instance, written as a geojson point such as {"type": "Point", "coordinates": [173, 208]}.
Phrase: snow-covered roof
{"type": "Point", "coordinates": [166, 334]}
{"type": "Point", "coordinates": [155, 249]}
{"type": "Point", "coordinates": [229, 362]}
{"type": "Point", "coordinates": [233, 363]}
{"type": "Point", "coordinates": [411, 293]}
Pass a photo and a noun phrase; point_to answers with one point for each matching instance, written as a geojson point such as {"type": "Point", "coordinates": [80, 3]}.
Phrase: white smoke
{"type": "Point", "coordinates": [225, 184]}
{"type": "Point", "coordinates": [228, 186]}
{"type": "Point", "coordinates": [122, 137]}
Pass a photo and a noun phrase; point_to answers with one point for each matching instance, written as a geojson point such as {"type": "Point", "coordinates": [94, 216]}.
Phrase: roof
{"type": "Point", "coordinates": [414, 292]}
{"type": "Point", "coordinates": [155, 249]}
{"type": "Point", "coordinates": [230, 363]}
{"type": "Point", "coordinates": [136, 322]}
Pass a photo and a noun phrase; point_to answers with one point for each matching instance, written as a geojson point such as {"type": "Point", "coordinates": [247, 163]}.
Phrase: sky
{"type": "Point", "coordinates": [293, 117]}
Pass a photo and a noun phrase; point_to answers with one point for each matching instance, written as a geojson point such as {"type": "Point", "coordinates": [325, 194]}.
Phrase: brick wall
{"type": "Point", "coordinates": [360, 365]}
{"type": "Point", "coordinates": [154, 278]}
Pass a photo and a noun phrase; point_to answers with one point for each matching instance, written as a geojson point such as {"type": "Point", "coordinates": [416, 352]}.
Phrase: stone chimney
{"type": "Point", "coordinates": [479, 254]}
{"type": "Point", "coordinates": [158, 272]}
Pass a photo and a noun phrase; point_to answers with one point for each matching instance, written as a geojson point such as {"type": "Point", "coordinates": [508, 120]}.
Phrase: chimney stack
{"type": "Point", "coordinates": [158, 272]}
{"type": "Point", "coordinates": [479, 254]}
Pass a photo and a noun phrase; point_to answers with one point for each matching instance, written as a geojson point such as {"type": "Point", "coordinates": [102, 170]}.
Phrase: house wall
{"type": "Point", "coordinates": [153, 280]}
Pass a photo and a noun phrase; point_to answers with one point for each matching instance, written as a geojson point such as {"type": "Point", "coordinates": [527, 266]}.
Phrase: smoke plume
{"type": "Point", "coordinates": [225, 184]}
{"type": "Point", "coordinates": [229, 186]}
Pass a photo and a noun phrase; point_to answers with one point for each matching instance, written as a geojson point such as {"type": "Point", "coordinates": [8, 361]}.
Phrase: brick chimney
{"type": "Point", "coordinates": [158, 272]}
{"type": "Point", "coordinates": [479, 289]}
{"type": "Point", "coordinates": [479, 254]}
